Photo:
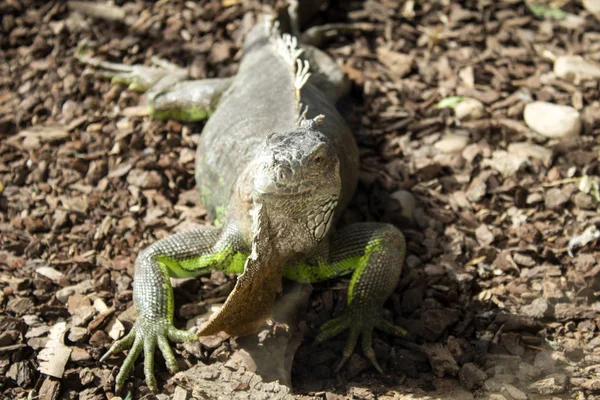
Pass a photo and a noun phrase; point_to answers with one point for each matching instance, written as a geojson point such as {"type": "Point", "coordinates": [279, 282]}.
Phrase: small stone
{"type": "Point", "coordinates": [555, 199]}
{"type": "Point", "coordinates": [484, 236]}
{"type": "Point", "coordinates": [98, 170]}
{"type": "Point", "coordinates": [115, 329]}
{"type": "Point", "coordinates": [584, 201]}
{"type": "Point", "coordinates": [219, 51]}
{"type": "Point", "coordinates": [83, 315]}
{"type": "Point", "coordinates": [37, 343]}
{"type": "Point", "coordinates": [83, 287]}
{"type": "Point", "coordinates": [69, 109]}
{"type": "Point", "coordinates": [80, 355]}
{"type": "Point", "coordinates": [471, 377]}
{"type": "Point", "coordinates": [469, 109]}
{"type": "Point", "coordinates": [527, 372]}
{"type": "Point", "coordinates": [408, 203]}
{"type": "Point", "coordinates": [552, 384]}
{"type": "Point", "coordinates": [37, 331]}
{"type": "Point", "coordinates": [180, 394]}
{"type": "Point", "coordinates": [534, 198]}
{"type": "Point", "coordinates": [436, 321]}
{"type": "Point", "coordinates": [99, 339]}
{"type": "Point", "coordinates": [530, 150]}
{"type": "Point", "coordinates": [441, 360]}
{"type": "Point", "coordinates": [505, 163]}
{"type": "Point", "coordinates": [20, 305]}
{"type": "Point", "coordinates": [21, 372]}
{"type": "Point", "coordinates": [586, 384]}
{"type": "Point", "coordinates": [144, 179]}
{"type": "Point", "coordinates": [77, 334]}
{"type": "Point", "coordinates": [50, 389]}
{"type": "Point", "coordinates": [213, 341]}
{"type": "Point", "coordinates": [545, 361]}
{"type": "Point", "coordinates": [537, 308]}
{"type": "Point", "coordinates": [574, 68]}
{"type": "Point", "coordinates": [452, 143]}
{"type": "Point", "coordinates": [552, 120]}
{"type": "Point", "coordinates": [52, 274]}
{"type": "Point", "coordinates": [514, 392]}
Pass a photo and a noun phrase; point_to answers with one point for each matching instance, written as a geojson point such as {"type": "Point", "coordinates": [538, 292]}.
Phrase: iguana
{"type": "Point", "coordinates": [276, 165]}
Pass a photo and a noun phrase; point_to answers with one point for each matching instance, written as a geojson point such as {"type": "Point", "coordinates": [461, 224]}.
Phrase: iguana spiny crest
{"type": "Point", "coordinates": [298, 171]}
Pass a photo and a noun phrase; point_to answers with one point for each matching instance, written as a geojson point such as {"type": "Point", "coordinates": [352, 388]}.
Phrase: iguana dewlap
{"type": "Point", "coordinates": [275, 166]}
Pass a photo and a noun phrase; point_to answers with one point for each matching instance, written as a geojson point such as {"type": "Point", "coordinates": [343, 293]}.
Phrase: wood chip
{"type": "Point", "coordinates": [53, 358]}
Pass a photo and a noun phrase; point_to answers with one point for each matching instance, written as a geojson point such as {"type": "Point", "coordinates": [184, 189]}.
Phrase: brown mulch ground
{"type": "Point", "coordinates": [489, 291]}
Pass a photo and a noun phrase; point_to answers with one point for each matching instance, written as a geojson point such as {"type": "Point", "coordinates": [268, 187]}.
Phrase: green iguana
{"type": "Point", "coordinates": [276, 165]}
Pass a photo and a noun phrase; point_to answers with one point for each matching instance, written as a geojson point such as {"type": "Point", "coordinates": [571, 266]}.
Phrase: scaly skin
{"type": "Point", "coordinates": [276, 196]}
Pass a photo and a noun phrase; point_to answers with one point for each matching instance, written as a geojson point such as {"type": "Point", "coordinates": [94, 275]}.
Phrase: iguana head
{"type": "Point", "coordinates": [298, 180]}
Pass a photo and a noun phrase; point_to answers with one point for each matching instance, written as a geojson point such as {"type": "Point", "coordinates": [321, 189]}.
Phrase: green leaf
{"type": "Point", "coordinates": [543, 10]}
{"type": "Point", "coordinates": [450, 102]}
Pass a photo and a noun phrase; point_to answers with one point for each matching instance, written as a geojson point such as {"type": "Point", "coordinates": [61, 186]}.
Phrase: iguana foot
{"type": "Point", "coordinates": [145, 336]}
{"type": "Point", "coordinates": [169, 93]}
{"type": "Point", "coordinates": [360, 321]}
{"type": "Point", "coordinates": [139, 78]}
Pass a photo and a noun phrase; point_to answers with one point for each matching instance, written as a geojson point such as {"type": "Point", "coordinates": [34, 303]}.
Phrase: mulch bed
{"type": "Point", "coordinates": [490, 294]}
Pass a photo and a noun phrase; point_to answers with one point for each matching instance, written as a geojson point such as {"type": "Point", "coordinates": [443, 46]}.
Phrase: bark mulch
{"type": "Point", "coordinates": [495, 303]}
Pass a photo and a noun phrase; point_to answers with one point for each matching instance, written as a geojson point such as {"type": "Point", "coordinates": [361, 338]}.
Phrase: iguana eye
{"type": "Point", "coordinates": [318, 160]}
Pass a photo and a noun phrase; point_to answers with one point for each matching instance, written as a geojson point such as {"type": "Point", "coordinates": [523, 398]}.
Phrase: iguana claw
{"type": "Point", "coordinates": [360, 321]}
{"type": "Point", "coordinates": [145, 336]}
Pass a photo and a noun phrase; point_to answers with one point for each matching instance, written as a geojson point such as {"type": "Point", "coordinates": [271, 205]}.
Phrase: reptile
{"type": "Point", "coordinates": [276, 166]}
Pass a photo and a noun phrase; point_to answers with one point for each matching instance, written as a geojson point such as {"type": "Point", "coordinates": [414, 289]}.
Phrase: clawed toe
{"type": "Point", "coordinates": [361, 325]}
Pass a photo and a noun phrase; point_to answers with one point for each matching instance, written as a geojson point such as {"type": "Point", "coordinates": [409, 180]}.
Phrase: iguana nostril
{"type": "Point", "coordinates": [284, 173]}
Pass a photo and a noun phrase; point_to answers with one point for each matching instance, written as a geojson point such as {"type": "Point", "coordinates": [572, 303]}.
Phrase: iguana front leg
{"type": "Point", "coordinates": [374, 254]}
{"type": "Point", "coordinates": [169, 93]}
{"type": "Point", "coordinates": [185, 254]}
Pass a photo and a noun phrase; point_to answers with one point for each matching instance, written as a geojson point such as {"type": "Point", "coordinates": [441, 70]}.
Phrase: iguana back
{"type": "Point", "coordinates": [261, 100]}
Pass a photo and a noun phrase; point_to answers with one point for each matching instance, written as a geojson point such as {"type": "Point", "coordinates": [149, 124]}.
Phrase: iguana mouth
{"type": "Point", "coordinates": [280, 191]}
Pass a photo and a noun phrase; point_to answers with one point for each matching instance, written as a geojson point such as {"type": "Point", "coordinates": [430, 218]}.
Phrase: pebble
{"type": "Point", "coordinates": [575, 68]}
{"type": "Point", "coordinates": [180, 394]}
{"type": "Point", "coordinates": [80, 355]}
{"type": "Point", "coordinates": [471, 377]}
{"type": "Point", "coordinates": [469, 109]}
{"type": "Point", "coordinates": [408, 203]}
{"type": "Point", "coordinates": [78, 334]}
{"type": "Point", "coordinates": [52, 274]}
{"type": "Point", "coordinates": [545, 360]}
{"type": "Point", "coordinates": [99, 338]}
{"type": "Point", "coordinates": [584, 201]}
{"type": "Point", "coordinates": [531, 150]}
{"type": "Point", "coordinates": [592, 6]}
{"type": "Point", "coordinates": [442, 362]}
{"type": "Point", "coordinates": [537, 308]}
{"type": "Point", "coordinates": [552, 384]}
{"type": "Point", "coordinates": [552, 120]}
{"type": "Point", "coordinates": [555, 199]}
{"type": "Point", "coordinates": [144, 179]}
{"type": "Point", "coordinates": [514, 392]}
{"type": "Point", "coordinates": [63, 294]}
{"type": "Point", "coordinates": [452, 143]}
{"type": "Point", "coordinates": [20, 305]}
{"type": "Point", "coordinates": [83, 315]}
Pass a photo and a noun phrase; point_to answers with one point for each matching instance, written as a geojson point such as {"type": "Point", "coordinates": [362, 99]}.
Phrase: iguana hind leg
{"type": "Point", "coordinates": [185, 254]}
{"type": "Point", "coordinates": [169, 93]}
{"type": "Point", "coordinates": [374, 254]}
